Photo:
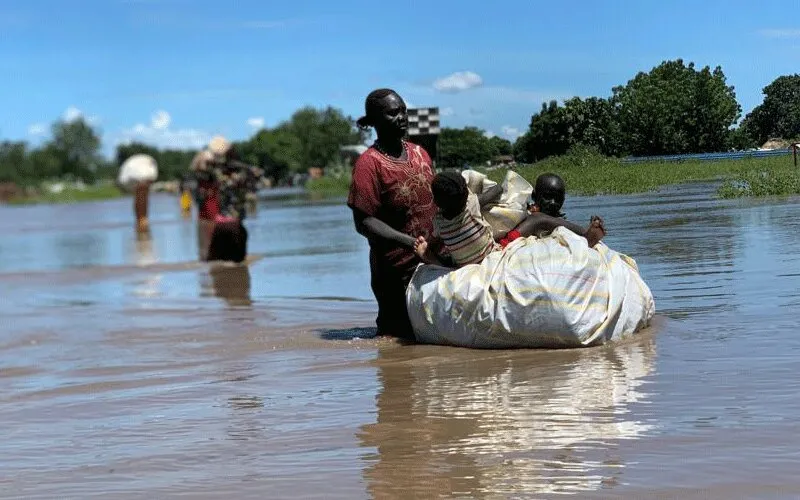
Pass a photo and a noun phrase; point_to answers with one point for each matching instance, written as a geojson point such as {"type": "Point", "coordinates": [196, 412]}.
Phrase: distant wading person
{"type": "Point", "coordinates": [390, 196]}
{"type": "Point", "coordinates": [137, 174]}
{"type": "Point", "coordinates": [206, 196]}
{"type": "Point", "coordinates": [223, 182]}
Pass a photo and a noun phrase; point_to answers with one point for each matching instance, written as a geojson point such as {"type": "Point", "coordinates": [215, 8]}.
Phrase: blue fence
{"type": "Point", "coordinates": [734, 155]}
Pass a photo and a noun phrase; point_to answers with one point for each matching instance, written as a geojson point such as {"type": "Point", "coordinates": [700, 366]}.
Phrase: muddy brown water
{"type": "Point", "coordinates": [128, 370]}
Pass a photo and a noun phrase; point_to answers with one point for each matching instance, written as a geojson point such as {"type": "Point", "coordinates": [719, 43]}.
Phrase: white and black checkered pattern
{"type": "Point", "coordinates": [423, 121]}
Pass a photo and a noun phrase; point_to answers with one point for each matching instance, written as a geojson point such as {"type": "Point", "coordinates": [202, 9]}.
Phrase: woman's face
{"type": "Point", "coordinates": [391, 116]}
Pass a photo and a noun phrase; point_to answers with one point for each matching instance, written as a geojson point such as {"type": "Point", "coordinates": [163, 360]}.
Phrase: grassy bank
{"type": "Point", "coordinates": [590, 174]}
{"type": "Point", "coordinates": [71, 195]}
{"type": "Point", "coordinates": [330, 186]}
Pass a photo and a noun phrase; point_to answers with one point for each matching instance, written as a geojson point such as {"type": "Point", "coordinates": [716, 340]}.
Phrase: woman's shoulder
{"type": "Point", "coordinates": [368, 158]}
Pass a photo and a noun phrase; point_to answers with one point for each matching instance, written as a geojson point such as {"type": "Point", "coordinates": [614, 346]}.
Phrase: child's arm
{"type": "Point", "coordinates": [491, 195]}
{"type": "Point", "coordinates": [539, 222]}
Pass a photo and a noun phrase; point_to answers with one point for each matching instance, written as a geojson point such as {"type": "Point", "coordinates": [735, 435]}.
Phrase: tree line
{"type": "Point", "coordinates": [672, 109]}
{"type": "Point", "coordinates": [310, 138]}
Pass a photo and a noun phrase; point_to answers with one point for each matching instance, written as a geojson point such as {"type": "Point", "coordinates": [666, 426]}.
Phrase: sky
{"type": "Point", "coordinates": [173, 73]}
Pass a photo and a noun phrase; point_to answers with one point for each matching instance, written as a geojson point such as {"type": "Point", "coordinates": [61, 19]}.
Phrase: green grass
{"type": "Point", "coordinates": [329, 186]}
{"type": "Point", "coordinates": [760, 182]}
{"type": "Point", "coordinates": [587, 173]}
{"type": "Point", "coordinates": [72, 195]}
{"type": "Point", "coordinates": [592, 174]}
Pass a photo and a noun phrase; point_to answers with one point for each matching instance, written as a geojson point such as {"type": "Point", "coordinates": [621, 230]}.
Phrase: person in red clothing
{"type": "Point", "coordinates": [390, 196]}
{"type": "Point", "coordinates": [206, 196]}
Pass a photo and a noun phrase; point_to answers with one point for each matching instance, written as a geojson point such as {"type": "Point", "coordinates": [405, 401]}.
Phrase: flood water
{"type": "Point", "coordinates": [127, 370]}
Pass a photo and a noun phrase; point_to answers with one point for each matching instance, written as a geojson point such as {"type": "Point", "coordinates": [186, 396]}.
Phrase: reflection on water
{"type": "Point", "coordinates": [478, 424]}
{"type": "Point", "coordinates": [230, 282]}
{"type": "Point", "coordinates": [144, 256]}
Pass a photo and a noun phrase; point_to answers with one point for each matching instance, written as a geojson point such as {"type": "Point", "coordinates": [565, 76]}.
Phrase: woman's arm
{"type": "Point", "coordinates": [372, 227]}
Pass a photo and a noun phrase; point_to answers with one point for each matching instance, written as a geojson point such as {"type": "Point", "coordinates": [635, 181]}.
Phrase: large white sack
{"type": "Point", "coordinates": [512, 207]}
{"type": "Point", "coordinates": [138, 168]}
{"type": "Point", "coordinates": [539, 292]}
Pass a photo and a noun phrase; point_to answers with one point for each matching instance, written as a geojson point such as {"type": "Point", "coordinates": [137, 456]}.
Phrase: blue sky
{"type": "Point", "coordinates": [175, 72]}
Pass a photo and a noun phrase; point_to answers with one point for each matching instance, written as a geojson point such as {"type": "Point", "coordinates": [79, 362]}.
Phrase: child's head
{"type": "Point", "coordinates": [450, 192]}
{"type": "Point", "coordinates": [548, 194]}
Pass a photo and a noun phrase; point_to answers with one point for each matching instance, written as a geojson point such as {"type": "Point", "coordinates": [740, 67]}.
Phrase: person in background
{"type": "Point", "coordinates": [185, 190]}
{"type": "Point", "coordinates": [224, 180]}
{"type": "Point", "coordinates": [206, 196]}
{"type": "Point", "coordinates": [137, 174]}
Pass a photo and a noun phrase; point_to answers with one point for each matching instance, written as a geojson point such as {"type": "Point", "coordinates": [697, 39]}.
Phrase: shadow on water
{"type": "Point", "coordinates": [355, 333]}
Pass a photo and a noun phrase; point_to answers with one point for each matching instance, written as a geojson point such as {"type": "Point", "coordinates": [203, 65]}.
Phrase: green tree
{"type": "Point", "coordinates": [676, 109]}
{"type": "Point", "coordinates": [593, 122]}
{"type": "Point", "coordinates": [320, 134]}
{"type": "Point", "coordinates": [547, 135]}
{"type": "Point", "coordinates": [739, 139]}
{"type": "Point", "coordinates": [125, 151]}
{"type": "Point", "coordinates": [14, 162]}
{"type": "Point", "coordinates": [277, 151]}
{"type": "Point", "coordinates": [45, 163]}
{"type": "Point", "coordinates": [779, 115]}
{"type": "Point", "coordinates": [77, 145]}
{"type": "Point", "coordinates": [466, 146]}
{"type": "Point", "coordinates": [499, 146]}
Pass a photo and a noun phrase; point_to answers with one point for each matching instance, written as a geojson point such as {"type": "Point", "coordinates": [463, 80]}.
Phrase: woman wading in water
{"type": "Point", "coordinates": [392, 205]}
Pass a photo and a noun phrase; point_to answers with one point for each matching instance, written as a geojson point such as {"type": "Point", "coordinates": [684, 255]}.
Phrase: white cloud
{"type": "Point", "coordinates": [37, 129]}
{"type": "Point", "coordinates": [489, 134]}
{"type": "Point", "coordinates": [780, 33]}
{"type": "Point", "coordinates": [489, 107]}
{"type": "Point", "coordinates": [158, 133]}
{"type": "Point", "coordinates": [458, 82]}
{"type": "Point", "coordinates": [160, 120]}
{"type": "Point", "coordinates": [257, 122]}
{"type": "Point", "coordinates": [71, 114]}
{"type": "Point", "coordinates": [511, 132]}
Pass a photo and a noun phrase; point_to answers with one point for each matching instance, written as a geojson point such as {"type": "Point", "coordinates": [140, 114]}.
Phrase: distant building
{"type": "Point", "coordinates": [775, 143]}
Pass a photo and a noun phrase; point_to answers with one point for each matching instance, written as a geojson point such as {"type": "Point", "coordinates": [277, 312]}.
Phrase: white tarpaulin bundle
{"type": "Point", "coordinates": [512, 207]}
{"type": "Point", "coordinates": [538, 292]}
{"type": "Point", "coordinates": [138, 168]}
